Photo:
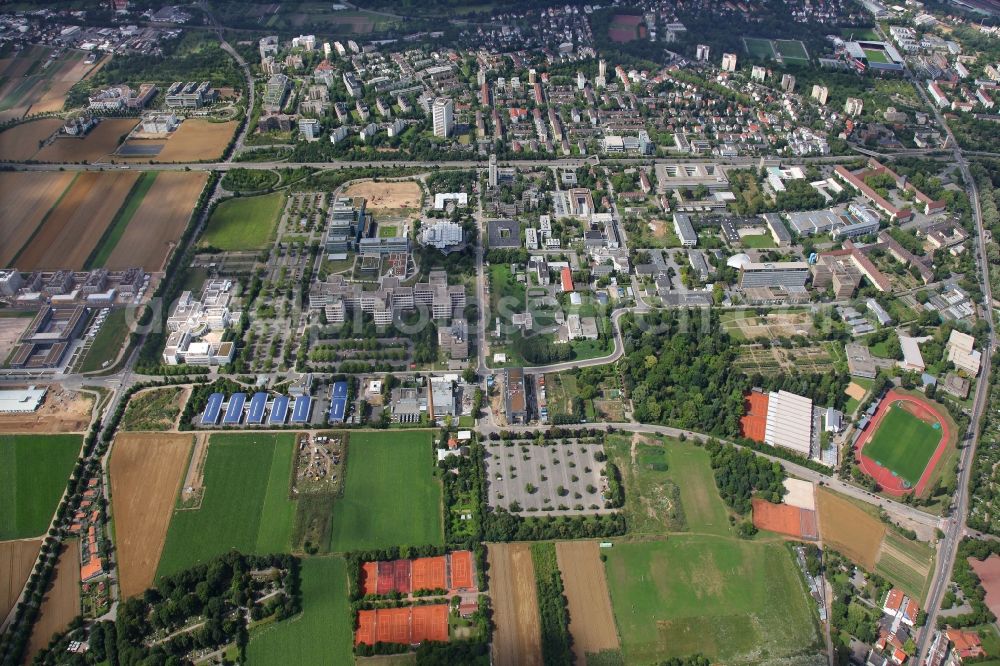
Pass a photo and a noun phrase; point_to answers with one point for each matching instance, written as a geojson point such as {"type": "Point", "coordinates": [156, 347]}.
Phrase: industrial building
{"type": "Point", "coordinates": [21, 401]}
{"type": "Point", "coordinates": [789, 422]}
{"type": "Point", "coordinates": [774, 274]}
{"type": "Point", "coordinates": [515, 397]}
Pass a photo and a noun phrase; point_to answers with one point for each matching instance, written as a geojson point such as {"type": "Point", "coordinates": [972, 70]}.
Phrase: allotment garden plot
{"type": "Point", "coordinates": [554, 478]}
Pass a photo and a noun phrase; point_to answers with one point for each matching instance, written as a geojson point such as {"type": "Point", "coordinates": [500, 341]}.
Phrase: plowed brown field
{"type": "Point", "coordinates": [16, 560]}
{"type": "Point", "coordinates": [25, 198]}
{"type": "Point", "coordinates": [146, 472]}
{"type": "Point", "coordinates": [96, 146]}
{"type": "Point", "coordinates": [62, 600]}
{"type": "Point", "coordinates": [591, 622]}
{"type": "Point", "coordinates": [196, 140]}
{"type": "Point", "coordinates": [849, 529]}
{"type": "Point", "coordinates": [21, 141]}
{"type": "Point", "coordinates": [518, 638]}
{"type": "Point", "coordinates": [76, 225]}
{"type": "Point", "coordinates": [159, 221]}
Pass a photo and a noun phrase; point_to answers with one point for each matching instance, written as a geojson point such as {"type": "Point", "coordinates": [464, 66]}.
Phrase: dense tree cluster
{"type": "Point", "coordinates": [554, 619]}
{"type": "Point", "coordinates": [501, 525]}
{"type": "Point", "coordinates": [740, 475]}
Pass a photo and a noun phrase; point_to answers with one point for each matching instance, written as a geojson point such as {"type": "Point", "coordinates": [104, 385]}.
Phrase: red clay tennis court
{"type": "Point", "coordinates": [366, 628]}
{"type": "Point", "coordinates": [394, 576]}
{"type": "Point", "coordinates": [392, 625]}
{"type": "Point", "coordinates": [430, 623]}
{"type": "Point", "coordinates": [785, 519]}
{"type": "Point", "coordinates": [369, 578]}
{"type": "Point", "coordinates": [429, 573]}
{"type": "Point", "coordinates": [461, 570]}
{"type": "Point", "coordinates": [754, 420]}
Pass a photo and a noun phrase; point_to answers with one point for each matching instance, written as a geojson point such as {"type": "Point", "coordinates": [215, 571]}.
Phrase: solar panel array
{"type": "Point", "coordinates": [338, 402]}
{"type": "Point", "coordinates": [301, 408]}
{"type": "Point", "coordinates": [239, 410]}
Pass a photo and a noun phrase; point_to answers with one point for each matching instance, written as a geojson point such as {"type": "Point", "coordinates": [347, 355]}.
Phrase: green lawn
{"type": "Point", "coordinates": [391, 495]}
{"type": "Point", "coordinates": [733, 601]}
{"type": "Point", "coordinates": [244, 223]}
{"type": "Point", "coordinates": [507, 295]}
{"type": "Point", "coordinates": [108, 341]}
{"type": "Point", "coordinates": [759, 241]}
{"type": "Point", "coordinates": [322, 633]}
{"type": "Point", "coordinates": [34, 470]}
{"type": "Point", "coordinates": [245, 505]}
{"type": "Point", "coordinates": [904, 444]}
{"type": "Point", "coordinates": [758, 48]}
{"type": "Point", "coordinates": [116, 229]}
{"type": "Point", "coordinates": [874, 55]}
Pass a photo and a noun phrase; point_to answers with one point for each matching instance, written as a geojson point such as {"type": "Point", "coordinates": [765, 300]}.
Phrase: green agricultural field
{"type": "Point", "coordinates": [391, 496]}
{"type": "Point", "coordinates": [903, 443]}
{"type": "Point", "coordinates": [108, 342]}
{"type": "Point", "coordinates": [322, 633]}
{"type": "Point", "coordinates": [733, 601]}
{"type": "Point", "coordinates": [758, 48]}
{"type": "Point", "coordinates": [34, 470]}
{"type": "Point", "coordinates": [245, 504]}
{"type": "Point", "coordinates": [116, 229]}
{"type": "Point", "coordinates": [757, 241]}
{"type": "Point", "coordinates": [243, 223]}
{"type": "Point", "coordinates": [906, 563]}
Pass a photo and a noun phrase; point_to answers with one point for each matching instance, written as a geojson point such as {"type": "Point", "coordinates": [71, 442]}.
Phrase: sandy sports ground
{"type": "Point", "coordinates": [20, 142]}
{"type": "Point", "coordinates": [16, 560]}
{"type": "Point", "coordinates": [146, 472]}
{"type": "Point", "coordinates": [62, 600]}
{"type": "Point", "coordinates": [197, 139]}
{"type": "Point", "coordinates": [518, 637]}
{"type": "Point", "coordinates": [591, 621]}
{"type": "Point", "coordinates": [387, 195]}
{"type": "Point", "coordinates": [61, 411]}
{"type": "Point", "coordinates": [849, 529]}
{"type": "Point", "coordinates": [75, 226]}
{"type": "Point", "coordinates": [99, 143]}
{"type": "Point", "coordinates": [158, 222]}
{"type": "Point", "coordinates": [25, 198]}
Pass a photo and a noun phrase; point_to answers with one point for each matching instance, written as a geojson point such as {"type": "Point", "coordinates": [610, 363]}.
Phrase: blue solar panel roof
{"type": "Point", "coordinates": [340, 389]}
{"type": "Point", "coordinates": [211, 414]}
{"type": "Point", "coordinates": [234, 413]}
{"type": "Point", "coordinates": [300, 410]}
{"type": "Point", "coordinates": [279, 409]}
{"type": "Point", "coordinates": [257, 404]}
{"type": "Point", "coordinates": [337, 408]}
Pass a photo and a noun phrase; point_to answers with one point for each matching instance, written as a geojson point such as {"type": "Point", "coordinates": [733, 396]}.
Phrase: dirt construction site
{"type": "Point", "coordinates": [146, 472]}
{"type": "Point", "coordinates": [61, 411]}
{"type": "Point", "coordinates": [518, 638]}
{"type": "Point", "coordinates": [387, 195]}
{"type": "Point", "coordinates": [591, 623]}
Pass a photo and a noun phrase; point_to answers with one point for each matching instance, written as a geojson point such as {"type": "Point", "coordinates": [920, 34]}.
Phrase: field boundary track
{"type": "Point", "coordinates": [921, 408]}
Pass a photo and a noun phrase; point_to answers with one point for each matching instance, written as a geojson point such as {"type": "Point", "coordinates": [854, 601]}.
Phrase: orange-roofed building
{"type": "Point", "coordinates": [567, 279]}
{"type": "Point", "coordinates": [91, 569]}
{"type": "Point", "coordinates": [965, 643]}
{"type": "Point", "coordinates": [897, 603]}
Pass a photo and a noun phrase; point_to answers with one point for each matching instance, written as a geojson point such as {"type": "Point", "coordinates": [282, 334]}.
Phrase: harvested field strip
{"type": "Point", "coordinates": [146, 472]}
{"type": "Point", "coordinates": [591, 622]}
{"type": "Point", "coordinates": [61, 602]}
{"type": "Point", "coordinates": [197, 140]}
{"type": "Point", "coordinates": [114, 232]}
{"type": "Point", "coordinates": [70, 232]}
{"type": "Point", "coordinates": [159, 222]}
{"type": "Point", "coordinates": [906, 563]}
{"type": "Point", "coordinates": [43, 221]}
{"type": "Point", "coordinates": [848, 529]}
{"type": "Point", "coordinates": [16, 560]}
{"type": "Point", "coordinates": [96, 146]}
{"type": "Point", "coordinates": [20, 143]}
{"type": "Point", "coordinates": [25, 200]}
{"type": "Point", "coordinates": [517, 640]}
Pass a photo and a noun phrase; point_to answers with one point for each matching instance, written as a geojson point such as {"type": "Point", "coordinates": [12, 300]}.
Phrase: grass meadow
{"type": "Point", "coordinates": [391, 495]}
{"type": "Point", "coordinates": [245, 504]}
{"type": "Point", "coordinates": [243, 223]}
{"type": "Point", "coordinates": [322, 633]}
{"type": "Point", "coordinates": [904, 444]}
{"type": "Point", "coordinates": [108, 341]}
{"type": "Point", "coordinates": [34, 470]}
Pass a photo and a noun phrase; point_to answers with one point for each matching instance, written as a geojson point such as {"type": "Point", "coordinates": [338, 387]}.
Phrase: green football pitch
{"type": "Point", "coordinates": [903, 444]}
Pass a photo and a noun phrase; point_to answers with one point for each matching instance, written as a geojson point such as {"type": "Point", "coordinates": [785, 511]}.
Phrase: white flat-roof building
{"type": "Point", "coordinates": [460, 199]}
{"type": "Point", "coordinates": [912, 358]}
{"type": "Point", "coordinates": [789, 422]}
{"type": "Point", "coordinates": [441, 235]}
{"type": "Point", "coordinates": [962, 352]}
{"type": "Point", "coordinates": [21, 401]}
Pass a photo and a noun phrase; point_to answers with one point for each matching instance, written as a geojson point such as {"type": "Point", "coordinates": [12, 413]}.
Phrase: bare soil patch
{"type": "Point", "coordinates": [194, 478]}
{"type": "Point", "coordinates": [518, 638]}
{"type": "Point", "coordinates": [11, 329]}
{"type": "Point", "coordinates": [856, 391]}
{"type": "Point", "coordinates": [76, 225]}
{"type": "Point", "coordinates": [387, 195]}
{"type": "Point", "coordinates": [61, 411]}
{"type": "Point", "coordinates": [989, 573]}
{"type": "Point", "coordinates": [146, 471]}
{"type": "Point", "coordinates": [849, 529]}
{"type": "Point", "coordinates": [16, 560]}
{"type": "Point", "coordinates": [71, 71]}
{"type": "Point", "coordinates": [591, 621]}
{"type": "Point", "coordinates": [158, 222]}
{"type": "Point", "coordinates": [62, 600]}
{"type": "Point", "coordinates": [20, 142]}
{"type": "Point", "coordinates": [25, 198]}
{"type": "Point", "coordinates": [97, 145]}
{"type": "Point", "coordinates": [197, 140]}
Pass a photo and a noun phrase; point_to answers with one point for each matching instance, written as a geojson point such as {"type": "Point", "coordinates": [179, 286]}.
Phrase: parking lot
{"type": "Point", "coordinates": [554, 479]}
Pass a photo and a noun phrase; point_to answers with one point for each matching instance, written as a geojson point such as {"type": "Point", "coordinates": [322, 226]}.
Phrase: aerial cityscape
{"type": "Point", "coordinates": [385, 332]}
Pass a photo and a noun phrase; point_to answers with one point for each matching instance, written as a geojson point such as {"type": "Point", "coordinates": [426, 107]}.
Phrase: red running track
{"type": "Point", "coordinates": [893, 485]}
